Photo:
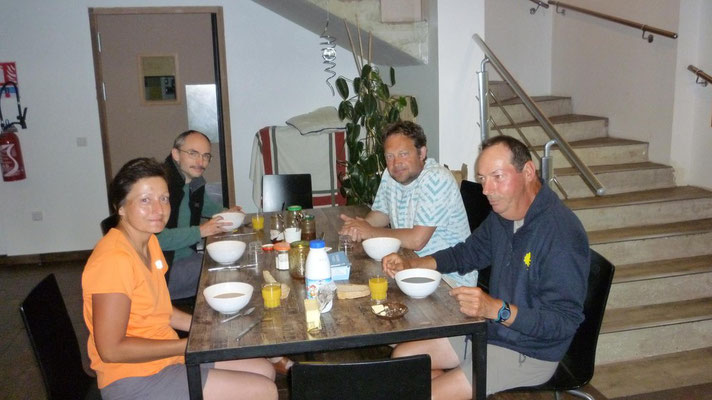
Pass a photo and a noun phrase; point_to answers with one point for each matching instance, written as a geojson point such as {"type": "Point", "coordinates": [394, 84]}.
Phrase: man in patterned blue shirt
{"type": "Point", "coordinates": [418, 198]}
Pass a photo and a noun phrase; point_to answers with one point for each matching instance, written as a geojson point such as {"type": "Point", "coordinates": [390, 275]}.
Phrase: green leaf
{"type": "Point", "coordinates": [369, 104]}
{"type": "Point", "coordinates": [393, 76]}
{"type": "Point", "coordinates": [366, 71]}
{"type": "Point", "coordinates": [393, 115]}
{"type": "Point", "coordinates": [357, 84]}
{"type": "Point", "coordinates": [414, 106]}
{"type": "Point", "coordinates": [343, 88]}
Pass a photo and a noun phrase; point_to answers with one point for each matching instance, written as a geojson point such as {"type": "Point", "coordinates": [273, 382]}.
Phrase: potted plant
{"type": "Point", "coordinates": [368, 111]}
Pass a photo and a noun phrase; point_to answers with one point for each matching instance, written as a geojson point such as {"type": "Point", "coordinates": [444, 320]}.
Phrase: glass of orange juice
{"type": "Point", "coordinates": [379, 288]}
{"type": "Point", "coordinates": [258, 221]}
{"type": "Point", "coordinates": [271, 293]}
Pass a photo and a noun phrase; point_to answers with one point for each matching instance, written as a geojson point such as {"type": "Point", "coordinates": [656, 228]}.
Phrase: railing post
{"type": "Point", "coordinates": [547, 164]}
{"type": "Point", "coordinates": [483, 79]}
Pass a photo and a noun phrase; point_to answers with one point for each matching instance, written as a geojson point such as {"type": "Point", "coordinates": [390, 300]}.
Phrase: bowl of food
{"type": "Point", "coordinates": [379, 247]}
{"type": "Point", "coordinates": [228, 297]}
{"type": "Point", "coordinates": [418, 283]}
{"type": "Point", "coordinates": [235, 219]}
{"type": "Point", "coordinates": [226, 251]}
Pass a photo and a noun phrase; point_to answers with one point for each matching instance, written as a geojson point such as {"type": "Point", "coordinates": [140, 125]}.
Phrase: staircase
{"type": "Point", "coordinates": [657, 330]}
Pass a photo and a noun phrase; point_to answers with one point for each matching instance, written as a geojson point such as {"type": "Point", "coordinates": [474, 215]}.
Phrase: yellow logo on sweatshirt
{"type": "Point", "coordinates": [528, 259]}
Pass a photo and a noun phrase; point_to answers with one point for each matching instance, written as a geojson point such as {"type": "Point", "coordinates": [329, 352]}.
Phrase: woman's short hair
{"type": "Point", "coordinates": [128, 175]}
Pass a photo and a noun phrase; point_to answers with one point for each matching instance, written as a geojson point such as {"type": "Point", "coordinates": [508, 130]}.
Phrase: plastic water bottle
{"type": "Point", "coordinates": [318, 271]}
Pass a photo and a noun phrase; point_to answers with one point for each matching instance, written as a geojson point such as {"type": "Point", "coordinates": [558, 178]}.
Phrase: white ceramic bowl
{"type": "Point", "coordinates": [226, 251]}
{"type": "Point", "coordinates": [228, 297]}
{"type": "Point", "coordinates": [234, 217]}
{"type": "Point", "coordinates": [379, 247]}
{"type": "Point", "coordinates": [418, 283]}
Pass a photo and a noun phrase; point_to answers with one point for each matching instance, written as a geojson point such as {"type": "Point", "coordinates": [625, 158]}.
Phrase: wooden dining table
{"type": "Point", "coordinates": [350, 324]}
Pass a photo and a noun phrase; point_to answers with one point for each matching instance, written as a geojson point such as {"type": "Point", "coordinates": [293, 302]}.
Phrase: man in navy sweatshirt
{"type": "Point", "coordinates": [539, 255]}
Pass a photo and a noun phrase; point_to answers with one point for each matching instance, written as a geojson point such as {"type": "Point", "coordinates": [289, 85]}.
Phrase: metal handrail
{"type": "Point", "coordinates": [618, 20]}
{"type": "Point", "coordinates": [706, 78]}
{"type": "Point", "coordinates": [588, 177]}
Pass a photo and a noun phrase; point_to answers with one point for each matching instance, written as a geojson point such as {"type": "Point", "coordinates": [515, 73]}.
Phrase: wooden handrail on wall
{"type": "Point", "coordinates": [633, 24]}
{"type": "Point", "coordinates": [705, 77]}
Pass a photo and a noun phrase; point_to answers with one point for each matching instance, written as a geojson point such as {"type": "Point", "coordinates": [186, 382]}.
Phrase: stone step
{"type": "Point", "coordinates": [653, 242]}
{"type": "Point", "coordinates": [678, 203]}
{"type": "Point", "coordinates": [659, 291]}
{"type": "Point", "coordinates": [617, 178]}
{"type": "Point", "coordinates": [501, 90]}
{"type": "Point", "coordinates": [663, 269]}
{"type": "Point", "coordinates": [652, 374]}
{"type": "Point", "coordinates": [600, 151]}
{"type": "Point", "coordinates": [654, 315]}
{"type": "Point", "coordinates": [549, 105]}
{"type": "Point", "coordinates": [572, 127]}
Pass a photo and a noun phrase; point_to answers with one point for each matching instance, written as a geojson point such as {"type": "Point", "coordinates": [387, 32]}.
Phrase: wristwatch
{"type": "Point", "coordinates": [504, 312]}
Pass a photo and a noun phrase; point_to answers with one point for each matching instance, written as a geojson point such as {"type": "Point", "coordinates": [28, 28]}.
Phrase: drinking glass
{"type": "Point", "coordinates": [346, 244]}
{"type": "Point", "coordinates": [379, 288]}
{"type": "Point", "coordinates": [271, 294]}
{"type": "Point", "coordinates": [258, 221]}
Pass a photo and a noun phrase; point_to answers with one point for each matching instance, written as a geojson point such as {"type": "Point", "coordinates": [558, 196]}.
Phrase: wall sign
{"type": "Point", "coordinates": [8, 73]}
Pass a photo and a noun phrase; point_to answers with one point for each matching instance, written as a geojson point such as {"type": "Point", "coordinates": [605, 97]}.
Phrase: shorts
{"type": "Point", "coordinates": [169, 383]}
{"type": "Point", "coordinates": [506, 369]}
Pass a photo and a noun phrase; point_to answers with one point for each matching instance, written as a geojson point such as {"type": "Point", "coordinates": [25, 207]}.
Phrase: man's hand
{"type": "Point", "coordinates": [393, 263]}
{"type": "Point", "coordinates": [475, 302]}
{"type": "Point", "coordinates": [358, 228]}
{"type": "Point", "coordinates": [213, 226]}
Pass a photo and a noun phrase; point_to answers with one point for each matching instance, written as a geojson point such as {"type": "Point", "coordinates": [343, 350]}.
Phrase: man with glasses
{"type": "Point", "coordinates": [185, 166]}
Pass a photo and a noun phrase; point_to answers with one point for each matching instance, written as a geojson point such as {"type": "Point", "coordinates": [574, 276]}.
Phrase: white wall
{"type": "Point", "coordinates": [421, 81]}
{"type": "Point", "coordinates": [609, 70]}
{"type": "Point", "coordinates": [274, 72]}
{"type": "Point", "coordinates": [458, 62]}
{"type": "Point", "coordinates": [522, 42]}
{"type": "Point", "coordinates": [692, 135]}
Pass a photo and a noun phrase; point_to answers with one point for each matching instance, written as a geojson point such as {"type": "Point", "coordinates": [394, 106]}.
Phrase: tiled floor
{"type": "Point", "coordinates": [20, 377]}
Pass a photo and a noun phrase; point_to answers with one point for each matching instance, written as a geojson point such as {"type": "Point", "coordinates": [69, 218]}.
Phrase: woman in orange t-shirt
{"type": "Point", "coordinates": [132, 345]}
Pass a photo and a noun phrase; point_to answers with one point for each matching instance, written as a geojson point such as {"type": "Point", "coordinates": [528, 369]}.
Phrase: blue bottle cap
{"type": "Point", "coordinates": [316, 244]}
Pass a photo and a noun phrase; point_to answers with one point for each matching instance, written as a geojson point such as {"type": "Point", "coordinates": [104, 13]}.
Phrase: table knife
{"type": "Point", "coordinates": [224, 267]}
{"type": "Point", "coordinates": [248, 328]}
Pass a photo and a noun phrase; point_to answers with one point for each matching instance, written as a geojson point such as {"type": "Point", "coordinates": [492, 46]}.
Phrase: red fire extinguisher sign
{"type": "Point", "coordinates": [13, 168]}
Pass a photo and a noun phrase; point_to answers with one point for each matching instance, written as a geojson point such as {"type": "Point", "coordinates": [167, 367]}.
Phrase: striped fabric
{"type": "Point", "coordinates": [283, 150]}
{"type": "Point", "coordinates": [433, 199]}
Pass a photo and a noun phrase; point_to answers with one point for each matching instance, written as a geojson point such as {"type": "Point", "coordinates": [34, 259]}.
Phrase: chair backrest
{"type": "Point", "coordinates": [477, 206]}
{"type": "Point", "coordinates": [285, 190]}
{"type": "Point", "coordinates": [55, 343]}
{"type": "Point", "coordinates": [396, 378]}
{"type": "Point", "coordinates": [579, 360]}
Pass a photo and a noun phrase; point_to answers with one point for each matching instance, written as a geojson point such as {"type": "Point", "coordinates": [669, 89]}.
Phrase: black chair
{"type": "Point", "coordinates": [477, 208]}
{"type": "Point", "coordinates": [576, 369]}
{"type": "Point", "coordinates": [284, 190]}
{"type": "Point", "coordinates": [395, 378]}
{"type": "Point", "coordinates": [55, 344]}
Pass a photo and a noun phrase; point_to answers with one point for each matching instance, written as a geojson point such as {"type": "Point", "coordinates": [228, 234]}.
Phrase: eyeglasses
{"type": "Point", "coordinates": [194, 155]}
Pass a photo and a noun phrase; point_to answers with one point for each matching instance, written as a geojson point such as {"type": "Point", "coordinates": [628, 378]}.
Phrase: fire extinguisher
{"type": "Point", "coordinates": [13, 167]}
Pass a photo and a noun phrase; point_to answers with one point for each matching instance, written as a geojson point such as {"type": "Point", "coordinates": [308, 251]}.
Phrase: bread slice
{"type": "Point", "coordinates": [351, 291]}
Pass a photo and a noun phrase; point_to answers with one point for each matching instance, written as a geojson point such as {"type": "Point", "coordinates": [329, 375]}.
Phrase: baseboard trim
{"type": "Point", "coordinates": [45, 258]}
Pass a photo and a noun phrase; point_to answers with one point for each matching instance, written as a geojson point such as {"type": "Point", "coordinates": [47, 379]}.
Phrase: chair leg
{"type": "Point", "coordinates": [581, 394]}
{"type": "Point", "coordinates": [557, 395]}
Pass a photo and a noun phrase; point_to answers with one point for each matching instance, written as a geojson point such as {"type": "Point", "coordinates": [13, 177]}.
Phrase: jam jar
{"type": "Point", "coordinates": [298, 259]}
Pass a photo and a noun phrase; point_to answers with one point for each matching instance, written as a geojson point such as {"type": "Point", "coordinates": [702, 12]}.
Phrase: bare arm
{"type": "Point", "coordinates": [374, 225]}
{"type": "Point", "coordinates": [110, 319]}
{"type": "Point", "coordinates": [181, 320]}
